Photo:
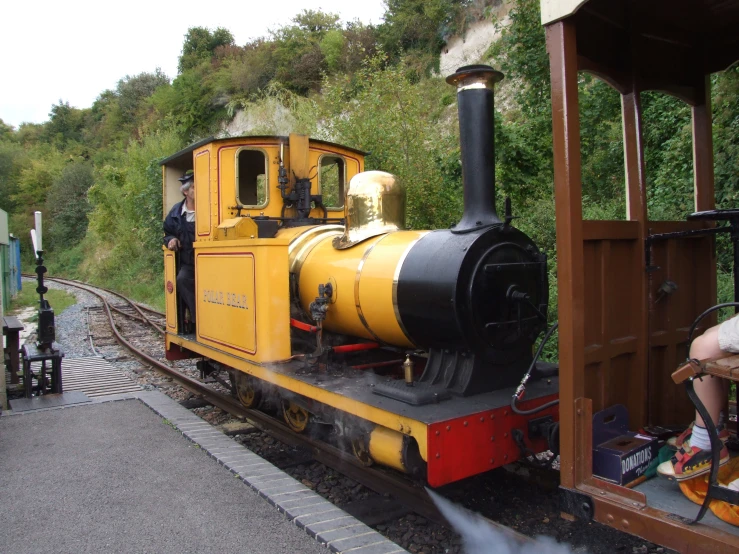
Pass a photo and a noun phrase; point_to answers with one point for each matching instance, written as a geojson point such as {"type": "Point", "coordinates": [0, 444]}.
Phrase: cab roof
{"type": "Point", "coordinates": [655, 42]}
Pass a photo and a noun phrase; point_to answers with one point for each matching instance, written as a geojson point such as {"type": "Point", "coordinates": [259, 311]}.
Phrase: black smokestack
{"type": "Point", "coordinates": [475, 99]}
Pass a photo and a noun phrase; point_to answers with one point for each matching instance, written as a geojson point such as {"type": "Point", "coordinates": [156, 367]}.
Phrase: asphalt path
{"type": "Point", "coordinates": [115, 477]}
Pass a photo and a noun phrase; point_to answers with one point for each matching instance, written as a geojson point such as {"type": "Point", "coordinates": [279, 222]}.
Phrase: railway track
{"type": "Point", "coordinates": [382, 482]}
{"type": "Point", "coordinates": [519, 502]}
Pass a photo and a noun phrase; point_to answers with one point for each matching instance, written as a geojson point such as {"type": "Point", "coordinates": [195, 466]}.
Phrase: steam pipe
{"type": "Point", "coordinates": [303, 326]}
{"type": "Point", "coordinates": [354, 347]}
{"type": "Point", "coordinates": [377, 364]}
{"type": "Point", "coordinates": [475, 100]}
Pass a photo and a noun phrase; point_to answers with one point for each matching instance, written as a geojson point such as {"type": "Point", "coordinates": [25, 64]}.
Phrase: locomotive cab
{"type": "Point", "coordinates": [238, 197]}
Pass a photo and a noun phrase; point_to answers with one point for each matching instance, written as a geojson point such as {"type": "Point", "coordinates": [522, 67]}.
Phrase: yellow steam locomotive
{"type": "Point", "coordinates": [407, 345]}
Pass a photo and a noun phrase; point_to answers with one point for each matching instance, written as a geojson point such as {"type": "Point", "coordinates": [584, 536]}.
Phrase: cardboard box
{"type": "Point", "coordinates": [619, 455]}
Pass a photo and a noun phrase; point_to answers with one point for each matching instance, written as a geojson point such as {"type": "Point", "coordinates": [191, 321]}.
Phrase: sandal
{"type": "Point", "coordinates": [688, 463]}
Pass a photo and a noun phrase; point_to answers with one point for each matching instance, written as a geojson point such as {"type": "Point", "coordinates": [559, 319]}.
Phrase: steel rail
{"type": "Point", "coordinates": [134, 305]}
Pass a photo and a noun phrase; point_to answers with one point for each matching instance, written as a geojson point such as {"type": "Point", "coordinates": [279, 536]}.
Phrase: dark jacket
{"type": "Point", "coordinates": [176, 226]}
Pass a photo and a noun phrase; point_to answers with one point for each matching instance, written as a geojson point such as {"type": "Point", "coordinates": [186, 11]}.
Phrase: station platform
{"type": "Point", "coordinates": [137, 472]}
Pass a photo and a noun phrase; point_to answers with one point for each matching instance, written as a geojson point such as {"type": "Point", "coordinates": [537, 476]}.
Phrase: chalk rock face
{"type": "Point", "coordinates": [270, 118]}
{"type": "Point", "coordinates": [470, 48]}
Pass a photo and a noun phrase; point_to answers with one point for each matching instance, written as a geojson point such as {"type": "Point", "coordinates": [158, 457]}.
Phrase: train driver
{"type": "Point", "coordinates": [179, 235]}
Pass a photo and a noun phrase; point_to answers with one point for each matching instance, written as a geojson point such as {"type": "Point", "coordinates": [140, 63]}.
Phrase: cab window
{"type": "Point", "coordinates": [332, 177]}
{"type": "Point", "coordinates": [251, 177]}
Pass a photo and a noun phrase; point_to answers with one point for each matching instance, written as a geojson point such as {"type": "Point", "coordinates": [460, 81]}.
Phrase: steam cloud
{"type": "Point", "coordinates": [480, 537]}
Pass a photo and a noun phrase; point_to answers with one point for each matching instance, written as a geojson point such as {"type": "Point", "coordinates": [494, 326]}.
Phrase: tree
{"type": "Point", "coordinates": [29, 133]}
{"type": "Point", "coordinates": [360, 44]}
{"type": "Point", "coordinates": [65, 124]}
{"type": "Point", "coordinates": [67, 205]}
{"type": "Point", "coordinates": [256, 68]}
{"type": "Point", "coordinates": [12, 160]}
{"type": "Point", "coordinates": [417, 25]}
{"type": "Point", "coordinates": [726, 136]}
{"type": "Point", "coordinates": [134, 91]}
{"type": "Point", "coordinates": [6, 131]}
{"type": "Point", "coordinates": [200, 45]}
{"type": "Point", "coordinates": [332, 47]}
{"type": "Point", "coordinates": [315, 22]}
{"type": "Point", "coordinates": [298, 57]}
{"type": "Point", "coordinates": [192, 103]}
{"type": "Point", "coordinates": [36, 176]}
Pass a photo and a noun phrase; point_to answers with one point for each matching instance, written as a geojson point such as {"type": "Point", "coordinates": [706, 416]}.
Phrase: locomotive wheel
{"type": "Point", "coordinates": [247, 390]}
{"type": "Point", "coordinates": [296, 417]}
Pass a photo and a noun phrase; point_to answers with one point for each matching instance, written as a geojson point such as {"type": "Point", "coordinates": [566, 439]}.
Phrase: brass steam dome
{"type": "Point", "coordinates": [375, 205]}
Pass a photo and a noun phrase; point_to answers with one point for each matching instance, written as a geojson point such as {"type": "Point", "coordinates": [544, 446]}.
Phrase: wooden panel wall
{"type": "Point", "coordinates": [615, 360]}
{"type": "Point", "coordinates": [689, 263]}
{"type": "Point", "coordinates": [617, 369]}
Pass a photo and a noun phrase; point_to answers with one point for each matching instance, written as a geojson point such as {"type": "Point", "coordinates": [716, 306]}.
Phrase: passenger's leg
{"type": "Point", "coordinates": [186, 287]}
{"type": "Point", "coordinates": [709, 389]}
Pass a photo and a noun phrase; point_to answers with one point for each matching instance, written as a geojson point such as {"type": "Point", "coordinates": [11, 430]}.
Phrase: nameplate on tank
{"type": "Point", "coordinates": [226, 310]}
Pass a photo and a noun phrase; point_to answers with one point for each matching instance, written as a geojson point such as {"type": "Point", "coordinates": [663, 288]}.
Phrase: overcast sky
{"type": "Point", "coordinates": [75, 49]}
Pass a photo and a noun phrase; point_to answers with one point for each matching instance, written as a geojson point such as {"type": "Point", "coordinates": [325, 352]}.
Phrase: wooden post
{"type": "Point", "coordinates": [636, 210]}
{"type": "Point", "coordinates": [562, 47]}
{"type": "Point", "coordinates": [703, 147]}
{"type": "Point", "coordinates": [703, 176]}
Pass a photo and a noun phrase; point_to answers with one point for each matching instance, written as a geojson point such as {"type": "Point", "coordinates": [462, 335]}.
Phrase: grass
{"type": "Point", "coordinates": [137, 286]}
{"type": "Point", "coordinates": [28, 298]}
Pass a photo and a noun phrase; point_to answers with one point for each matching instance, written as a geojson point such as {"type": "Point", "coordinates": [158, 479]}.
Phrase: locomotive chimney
{"type": "Point", "coordinates": [475, 85]}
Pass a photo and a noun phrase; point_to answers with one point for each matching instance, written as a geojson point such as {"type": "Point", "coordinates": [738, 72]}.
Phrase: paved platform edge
{"type": "Point", "coordinates": [323, 521]}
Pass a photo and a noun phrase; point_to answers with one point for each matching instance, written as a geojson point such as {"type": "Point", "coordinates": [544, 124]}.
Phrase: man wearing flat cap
{"type": "Point", "coordinates": [179, 235]}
